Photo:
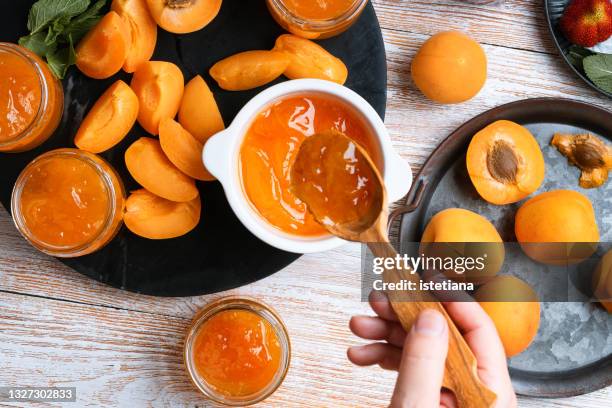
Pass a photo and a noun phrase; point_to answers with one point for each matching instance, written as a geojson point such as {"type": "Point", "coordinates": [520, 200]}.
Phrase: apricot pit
{"type": "Point", "coordinates": [587, 152]}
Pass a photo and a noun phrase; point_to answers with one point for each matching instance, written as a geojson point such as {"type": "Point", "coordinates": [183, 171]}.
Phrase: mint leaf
{"type": "Point", "coordinates": [37, 44]}
{"type": "Point", "coordinates": [60, 60]}
{"type": "Point", "coordinates": [80, 25]}
{"type": "Point", "coordinates": [575, 55]}
{"type": "Point", "coordinates": [598, 68]}
{"type": "Point", "coordinates": [44, 12]}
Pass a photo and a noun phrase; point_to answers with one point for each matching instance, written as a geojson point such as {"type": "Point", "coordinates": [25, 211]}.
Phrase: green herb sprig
{"type": "Point", "coordinates": [56, 26]}
{"type": "Point", "coordinates": [597, 67]}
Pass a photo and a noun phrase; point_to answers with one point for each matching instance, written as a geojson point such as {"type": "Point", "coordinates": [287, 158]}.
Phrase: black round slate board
{"type": "Point", "coordinates": [220, 253]}
{"type": "Point", "coordinates": [557, 363]}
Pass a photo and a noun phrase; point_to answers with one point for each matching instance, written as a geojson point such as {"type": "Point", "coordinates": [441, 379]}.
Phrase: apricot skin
{"type": "Point", "coordinates": [249, 69]}
{"type": "Point", "coordinates": [523, 164]}
{"type": "Point", "coordinates": [184, 19]}
{"type": "Point", "coordinates": [310, 60]}
{"type": "Point", "coordinates": [602, 281]}
{"type": "Point", "coordinates": [110, 119]}
{"type": "Point", "coordinates": [102, 52]}
{"type": "Point", "coordinates": [515, 310]}
{"type": "Point", "coordinates": [149, 166]}
{"type": "Point", "coordinates": [153, 217]}
{"type": "Point", "coordinates": [143, 31]}
{"type": "Point", "coordinates": [551, 226]}
{"type": "Point", "coordinates": [199, 113]}
{"type": "Point", "coordinates": [183, 150]}
{"type": "Point", "coordinates": [159, 86]}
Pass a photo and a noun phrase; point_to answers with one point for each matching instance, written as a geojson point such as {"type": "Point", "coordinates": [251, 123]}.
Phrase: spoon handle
{"type": "Point", "coordinates": [461, 374]}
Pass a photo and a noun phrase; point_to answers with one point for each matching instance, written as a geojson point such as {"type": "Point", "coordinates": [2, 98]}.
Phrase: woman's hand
{"type": "Point", "coordinates": [420, 355]}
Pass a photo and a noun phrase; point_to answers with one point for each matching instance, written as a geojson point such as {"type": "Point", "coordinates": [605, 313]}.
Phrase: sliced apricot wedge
{"type": "Point", "coordinates": [199, 113]}
{"type": "Point", "coordinates": [149, 166]}
{"type": "Point", "coordinates": [505, 163]}
{"type": "Point", "coordinates": [143, 31]}
{"type": "Point", "coordinates": [184, 16]}
{"type": "Point", "coordinates": [183, 150]}
{"type": "Point", "coordinates": [153, 217]}
{"type": "Point", "coordinates": [110, 119]}
{"type": "Point", "coordinates": [249, 69]}
{"type": "Point", "coordinates": [102, 52]}
{"type": "Point", "coordinates": [310, 60]}
{"type": "Point", "coordinates": [159, 86]}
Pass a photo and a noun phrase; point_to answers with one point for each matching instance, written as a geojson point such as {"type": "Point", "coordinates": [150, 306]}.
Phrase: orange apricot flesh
{"type": "Point", "coordinates": [309, 60]}
{"type": "Point", "coordinates": [183, 150]}
{"type": "Point", "coordinates": [199, 113]}
{"type": "Point", "coordinates": [149, 166]}
{"type": "Point", "coordinates": [143, 31]}
{"type": "Point", "coordinates": [159, 86]}
{"type": "Point", "coordinates": [110, 119]}
{"type": "Point", "coordinates": [102, 52]}
{"type": "Point", "coordinates": [249, 69]}
{"type": "Point", "coordinates": [505, 163]}
{"type": "Point", "coordinates": [153, 217]}
{"type": "Point", "coordinates": [184, 16]}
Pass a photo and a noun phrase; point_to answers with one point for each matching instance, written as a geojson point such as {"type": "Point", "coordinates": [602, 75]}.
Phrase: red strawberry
{"type": "Point", "coordinates": [587, 22]}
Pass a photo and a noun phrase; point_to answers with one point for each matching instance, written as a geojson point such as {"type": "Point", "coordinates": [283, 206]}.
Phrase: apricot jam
{"type": "Point", "coordinates": [271, 145]}
{"type": "Point", "coordinates": [316, 19]}
{"type": "Point", "coordinates": [237, 351]}
{"type": "Point", "coordinates": [31, 99]}
{"type": "Point", "coordinates": [68, 203]}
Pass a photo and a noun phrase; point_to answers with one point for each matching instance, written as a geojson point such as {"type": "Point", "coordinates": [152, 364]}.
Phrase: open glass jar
{"type": "Point", "coordinates": [315, 19]}
{"type": "Point", "coordinates": [68, 203]}
{"type": "Point", "coordinates": [31, 99]}
{"type": "Point", "coordinates": [226, 348]}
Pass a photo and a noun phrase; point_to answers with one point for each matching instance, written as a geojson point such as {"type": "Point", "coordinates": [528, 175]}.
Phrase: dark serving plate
{"type": "Point", "coordinates": [220, 253]}
{"type": "Point", "coordinates": [554, 11]}
{"type": "Point", "coordinates": [572, 353]}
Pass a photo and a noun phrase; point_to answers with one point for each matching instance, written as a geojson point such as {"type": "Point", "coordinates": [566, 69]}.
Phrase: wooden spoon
{"type": "Point", "coordinates": [345, 192]}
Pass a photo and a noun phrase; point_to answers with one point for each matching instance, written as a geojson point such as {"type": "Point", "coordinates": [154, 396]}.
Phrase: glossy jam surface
{"type": "Point", "coordinates": [318, 9]}
{"type": "Point", "coordinates": [64, 202]}
{"type": "Point", "coordinates": [336, 180]}
{"type": "Point", "coordinates": [237, 352]}
{"type": "Point", "coordinates": [271, 145]}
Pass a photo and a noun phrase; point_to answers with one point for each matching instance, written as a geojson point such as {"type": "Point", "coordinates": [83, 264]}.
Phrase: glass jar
{"type": "Point", "coordinates": [68, 203]}
{"type": "Point", "coordinates": [261, 310]}
{"type": "Point", "coordinates": [311, 21]}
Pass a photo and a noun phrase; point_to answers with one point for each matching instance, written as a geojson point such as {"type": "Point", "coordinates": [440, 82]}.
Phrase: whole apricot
{"type": "Point", "coordinates": [249, 69]}
{"type": "Point", "coordinates": [450, 67]}
{"type": "Point", "coordinates": [143, 30]}
{"type": "Point", "coordinates": [456, 232]}
{"type": "Point", "coordinates": [515, 310]}
{"type": "Point", "coordinates": [184, 16]}
{"type": "Point", "coordinates": [153, 217]}
{"type": "Point", "coordinates": [505, 162]}
{"type": "Point", "coordinates": [557, 227]}
{"type": "Point", "coordinates": [183, 150]}
{"type": "Point", "coordinates": [199, 113]}
{"type": "Point", "coordinates": [159, 86]}
{"type": "Point", "coordinates": [602, 281]}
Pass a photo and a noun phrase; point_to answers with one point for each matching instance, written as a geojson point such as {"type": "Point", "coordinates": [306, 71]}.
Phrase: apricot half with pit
{"type": "Point", "coordinates": [456, 232]}
{"type": "Point", "coordinates": [515, 310]}
{"type": "Point", "coordinates": [159, 86]}
{"type": "Point", "coordinates": [149, 166]}
{"type": "Point", "coordinates": [183, 150]}
{"type": "Point", "coordinates": [184, 16]}
{"type": "Point", "coordinates": [199, 113]}
{"type": "Point", "coordinates": [602, 282]}
{"type": "Point", "coordinates": [109, 120]}
{"type": "Point", "coordinates": [505, 162]}
{"type": "Point", "coordinates": [143, 31]}
{"type": "Point", "coordinates": [557, 227]}
{"type": "Point", "coordinates": [249, 69]}
{"type": "Point", "coordinates": [153, 217]}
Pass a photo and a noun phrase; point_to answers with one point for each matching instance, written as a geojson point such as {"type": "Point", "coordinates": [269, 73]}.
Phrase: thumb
{"type": "Point", "coordinates": [423, 360]}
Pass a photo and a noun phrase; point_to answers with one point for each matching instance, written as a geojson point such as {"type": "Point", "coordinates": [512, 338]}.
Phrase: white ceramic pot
{"type": "Point", "coordinates": [222, 152]}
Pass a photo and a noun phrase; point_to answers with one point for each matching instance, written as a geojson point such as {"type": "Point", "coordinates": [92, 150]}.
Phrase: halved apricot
{"type": "Point", "coordinates": [310, 60]}
{"type": "Point", "coordinates": [153, 217]}
{"type": "Point", "coordinates": [199, 113]}
{"type": "Point", "coordinates": [159, 86]}
{"type": "Point", "coordinates": [102, 52]}
{"type": "Point", "coordinates": [505, 163]}
{"type": "Point", "coordinates": [184, 16]}
{"type": "Point", "coordinates": [183, 150]}
{"type": "Point", "coordinates": [249, 69]}
{"type": "Point", "coordinates": [109, 120]}
{"type": "Point", "coordinates": [147, 163]}
{"type": "Point", "coordinates": [143, 30]}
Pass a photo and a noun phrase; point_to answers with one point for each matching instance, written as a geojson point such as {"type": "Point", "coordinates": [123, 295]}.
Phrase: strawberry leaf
{"type": "Point", "coordinates": [598, 68]}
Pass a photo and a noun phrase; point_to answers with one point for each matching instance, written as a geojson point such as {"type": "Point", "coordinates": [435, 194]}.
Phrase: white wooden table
{"type": "Point", "coordinates": [58, 328]}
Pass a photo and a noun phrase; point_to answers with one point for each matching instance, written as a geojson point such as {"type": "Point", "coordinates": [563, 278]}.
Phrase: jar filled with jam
{"type": "Point", "coordinates": [237, 351]}
{"type": "Point", "coordinates": [316, 19]}
{"type": "Point", "coordinates": [68, 203]}
{"type": "Point", "coordinates": [31, 99]}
